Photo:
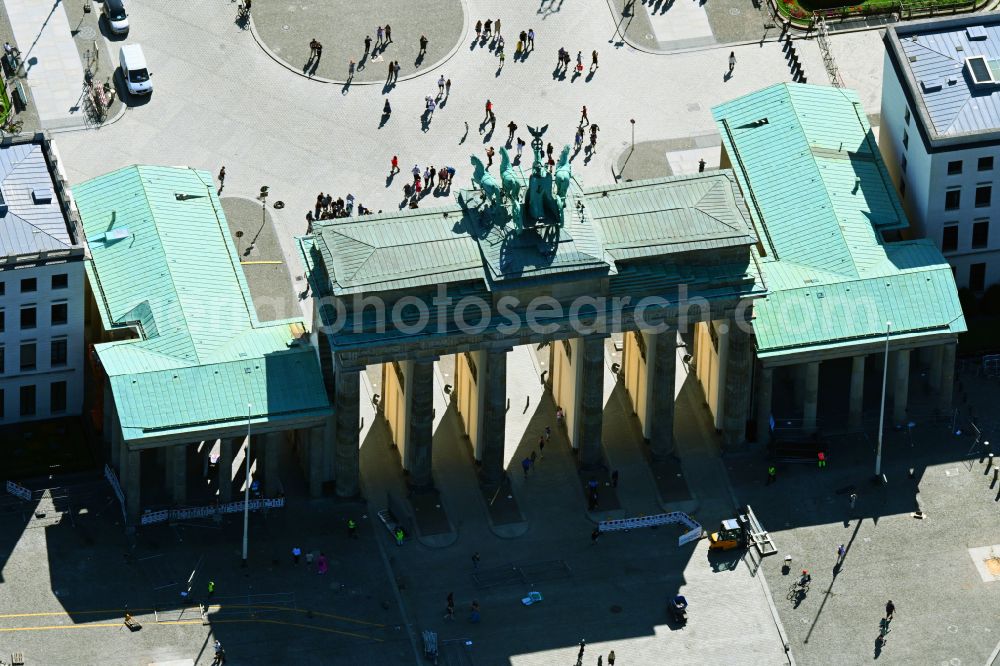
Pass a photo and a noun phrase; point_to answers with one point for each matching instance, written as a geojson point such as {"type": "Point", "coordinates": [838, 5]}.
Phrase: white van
{"type": "Point", "coordinates": [134, 70]}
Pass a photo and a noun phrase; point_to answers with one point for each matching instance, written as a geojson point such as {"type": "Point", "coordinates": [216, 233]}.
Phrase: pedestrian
{"type": "Point", "coordinates": [841, 553]}
{"type": "Point", "coordinates": [379, 35]}
{"type": "Point", "coordinates": [450, 608]}
{"type": "Point", "coordinates": [395, 70]}
{"type": "Point", "coordinates": [534, 457]}
{"type": "Point", "coordinates": [560, 56]}
{"type": "Point", "coordinates": [309, 559]}
{"type": "Point", "coordinates": [352, 528]}
{"type": "Point", "coordinates": [512, 126]}
{"type": "Point", "coordinates": [489, 157]}
{"type": "Point", "coordinates": [578, 139]}
{"type": "Point", "coordinates": [296, 554]}
{"type": "Point", "coordinates": [479, 29]}
{"type": "Point", "coordinates": [368, 44]}
{"type": "Point", "coordinates": [503, 57]}
{"type": "Point", "coordinates": [548, 434]}
{"type": "Point", "coordinates": [489, 111]}
{"type": "Point", "coordinates": [772, 475]}
{"type": "Point", "coordinates": [523, 37]}
{"type": "Point", "coordinates": [600, 660]}
{"type": "Point", "coordinates": [475, 560]}
{"type": "Point", "coordinates": [416, 172]}
{"type": "Point", "coordinates": [732, 61]}
{"type": "Point", "coordinates": [431, 105]}
{"type": "Point", "coordinates": [388, 34]}
{"type": "Point", "coordinates": [211, 590]}
{"type": "Point", "coordinates": [611, 658]}
{"type": "Point", "coordinates": [853, 499]}
{"type": "Point", "coordinates": [583, 116]}
{"type": "Point", "coordinates": [392, 70]}
{"type": "Point", "coordinates": [496, 27]}
{"type": "Point", "coordinates": [220, 654]}
{"type": "Point", "coordinates": [423, 46]}
{"type": "Point", "coordinates": [430, 180]}
{"type": "Point", "coordinates": [447, 88]}
{"type": "Point", "coordinates": [579, 61]}
{"type": "Point", "coordinates": [488, 28]}
{"type": "Point", "coordinates": [614, 479]}
{"type": "Point", "coordinates": [701, 166]}
{"type": "Point", "coordinates": [526, 466]}
{"type": "Point", "coordinates": [531, 39]}
{"type": "Point", "coordinates": [520, 147]}
{"type": "Point", "coordinates": [820, 459]}
{"type": "Point", "coordinates": [350, 71]}
{"type": "Point", "coordinates": [321, 564]}
{"type": "Point", "coordinates": [418, 186]}
{"type": "Point", "coordinates": [583, 644]}
{"type": "Point", "coordinates": [400, 535]}
{"type": "Point", "coordinates": [593, 61]}
{"type": "Point", "coordinates": [222, 177]}
{"type": "Point", "coordinates": [474, 612]}
{"type": "Point", "coordinates": [451, 174]}
{"type": "Point", "coordinates": [441, 85]}
{"type": "Point", "coordinates": [548, 149]}
{"type": "Point", "coordinates": [386, 108]}
{"type": "Point", "coordinates": [319, 204]}
{"type": "Point", "coordinates": [519, 49]}
{"type": "Point", "coordinates": [890, 609]}
{"type": "Point", "coordinates": [560, 416]}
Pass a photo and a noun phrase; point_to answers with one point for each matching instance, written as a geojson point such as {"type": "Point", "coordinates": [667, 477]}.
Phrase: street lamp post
{"type": "Point", "coordinates": [246, 491]}
{"type": "Point", "coordinates": [633, 132]}
{"type": "Point", "coordinates": [881, 416]}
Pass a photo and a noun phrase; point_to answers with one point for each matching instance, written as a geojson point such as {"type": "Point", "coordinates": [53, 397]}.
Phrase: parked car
{"type": "Point", "coordinates": [134, 70]}
{"type": "Point", "coordinates": [116, 16]}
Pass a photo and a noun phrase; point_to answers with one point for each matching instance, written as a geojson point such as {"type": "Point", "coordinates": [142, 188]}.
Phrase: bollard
{"type": "Point", "coordinates": [996, 476]}
{"type": "Point", "coordinates": [989, 461]}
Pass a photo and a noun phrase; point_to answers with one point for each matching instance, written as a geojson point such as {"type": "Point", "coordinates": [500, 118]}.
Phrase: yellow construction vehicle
{"type": "Point", "coordinates": [731, 534]}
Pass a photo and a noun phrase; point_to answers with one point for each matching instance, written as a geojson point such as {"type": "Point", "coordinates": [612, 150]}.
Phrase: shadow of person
{"type": "Point", "coordinates": [728, 75]}
{"type": "Point", "coordinates": [314, 67]}
{"type": "Point", "coordinates": [497, 73]}
{"type": "Point", "coordinates": [576, 75]}
{"type": "Point", "coordinates": [347, 87]}
{"type": "Point", "coordinates": [362, 62]}
{"type": "Point", "coordinates": [419, 59]}
{"type": "Point", "coordinates": [388, 179]}
{"type": "Point", "coordinates": [308, 66]}
{"type": "Point", "coordinates": [590, 76]}
{"type": "Point", "coordinates": [489, 135]}
{"type": "Point", "coordinates": [385, 119]}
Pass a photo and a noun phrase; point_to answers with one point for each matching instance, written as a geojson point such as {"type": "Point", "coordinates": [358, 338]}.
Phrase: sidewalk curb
{"type": "Point", "coordinates": [343, 82]}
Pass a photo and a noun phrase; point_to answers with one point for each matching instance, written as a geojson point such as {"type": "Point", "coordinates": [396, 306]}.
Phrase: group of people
{"type": "Point", "coordinates": [430, 179]}
{"type": "Point", "coordinates": [562, 66]}
{"type": "Point", "coordinates": [328, 208]}
{"type": "Point", "coordinates": [449, 612]}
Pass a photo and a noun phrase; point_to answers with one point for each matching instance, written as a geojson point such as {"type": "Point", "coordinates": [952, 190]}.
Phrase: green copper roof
{"type": "Point", "coordinates": [820, 197]}
{"type": "Point", "coordinates": [162, 262]}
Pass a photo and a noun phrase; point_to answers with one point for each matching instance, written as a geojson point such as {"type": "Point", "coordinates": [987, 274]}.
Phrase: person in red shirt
{"type": "Point", "coordinates": [395, 166]}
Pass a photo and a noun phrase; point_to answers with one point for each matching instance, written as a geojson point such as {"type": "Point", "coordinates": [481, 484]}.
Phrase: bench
{"type": "Point", "coordinates": [10, 64]}
{"type": "Point", "coordinates": [20, 95]}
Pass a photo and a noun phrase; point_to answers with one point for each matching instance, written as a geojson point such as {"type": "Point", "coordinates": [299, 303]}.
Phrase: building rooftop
{"type": "Point", "coordinates": [604, 226]}
{"type": "Point", "coordinates": [950, 70]}
{"type": "Point", "coordinates": [163, 264]}
{"type": "Point", "coordinates": [33, 218]}
{"type": "Point", "coordinates": [820, 197]}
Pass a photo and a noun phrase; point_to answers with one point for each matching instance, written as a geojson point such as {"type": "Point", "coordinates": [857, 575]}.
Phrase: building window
{"type": "Point", "coordinates": [29, 317]}
{"type": "Point", "coordinates": [59, 314]}
{"type": "Point", "coordinates": [3, 288]}
{"type": "Point", "coordinates": [955, 168]}
{"type": "Point", "coordinates": [949, 238]}
{"type": "Point", "coordinates": [28, 400]}
{"type": "Point", "coordinates": [57, 397]}
{"type": "Point", "coordinates": [29, 285]}
{"type": "Point", "coordinates": [1, 404]}
{"type": "Point", "coordinates": [60, 281]}
{"type": "Point", "coordinates": [977, 277]}
{"type": "Point", "coordinates": [3, 321]}
{"type": "Point", "coordinates": [902, 164]}
{"type": "Point", "coordinates": [984, 194]}
{"type": "Point", "coordinates": [980, 234]}
{"type": "Point", "coordinates": [906, 140]}
{"type": "Point", "coordinates": [3, 359]}
{"type": "Point", "coordinates": [57, 352]}
{"type": "Point", "coordinates": [985, 164]}
{"type": "Point", "coordinates": [953, 199]}
{"type": "Point", "coordinates": [906, 116]}
{"type": "Point", "coordinates": [28, 356]}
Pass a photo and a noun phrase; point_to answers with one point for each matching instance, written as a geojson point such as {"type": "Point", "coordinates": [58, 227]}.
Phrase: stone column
{"type": "Point", "coordinates": [855, 401]}
{"type": "Point", "coordinates": [420, 427]}
{"type": "Point", "coordinates": [810, 396]}
{"type": "Point", "coordinates": [346, 463]}
{"type": "Point", "coordinates": [934, 371]}
{"type": "Point", "coordinates": [225, 470]}
{"type": "Point", "coordinates": [591, 416]}
{"type": "Point", "coordinates": [494, 431]}
{"type": "Point", "coordinates": [272, 444]}
{"type": "Point", "coordinates": [902, 384]}
{"type": "Point", "coordinates": [947, 380]}
{"type": "Point", "coordinates": [130, 477]}
{"type": "Point", "coordinates": [737, 389]}
{"type": "Point", "coordinates": [177, 473]}
{"type": "Point", "coordinates": [765, 391]}
{"type": "Point", "coordinates": [317, 442]}
{"type": "Point", "coordinates": [661, 393]}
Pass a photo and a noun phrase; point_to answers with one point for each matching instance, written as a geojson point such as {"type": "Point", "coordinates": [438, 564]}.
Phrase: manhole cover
{"type": "Point", "coordinates": [616, 609]}
{"type": "Point", "coordinates": [86, 32]}
{"type": "Point", "coordinates": [993, 565]}
{"type": "Point", "coordinates": [733, 11]}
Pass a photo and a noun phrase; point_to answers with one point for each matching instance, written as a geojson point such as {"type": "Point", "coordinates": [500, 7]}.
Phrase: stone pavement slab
{"type": "Point", "coordinates": [50, 55]}
{"type": "Point", "coordinates": [286, 29]}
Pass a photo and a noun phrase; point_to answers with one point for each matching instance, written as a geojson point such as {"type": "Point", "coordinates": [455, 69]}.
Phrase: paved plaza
{"type": "Point", "coordinates": [238, 94]}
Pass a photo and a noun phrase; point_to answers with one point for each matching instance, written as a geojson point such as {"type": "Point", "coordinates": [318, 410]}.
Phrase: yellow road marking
{"type": "Point", "coordinates": [118, 611]}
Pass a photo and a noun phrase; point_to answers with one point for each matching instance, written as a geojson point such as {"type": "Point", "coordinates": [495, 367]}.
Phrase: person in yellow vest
{"type": "Point", "coordinates": [400, 535]}
{"type": "Point", "coordinates": [352, 528]}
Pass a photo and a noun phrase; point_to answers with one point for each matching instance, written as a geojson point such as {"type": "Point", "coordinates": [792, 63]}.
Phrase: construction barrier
{"type": "Point", "coordinates": [109, 474]}
{"type": "Point", "coordinates": [151, 517]}
{"type": "Point", "coordinates": [673, 518]}
{"type": "Point", "coordinates": [18, 490]}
